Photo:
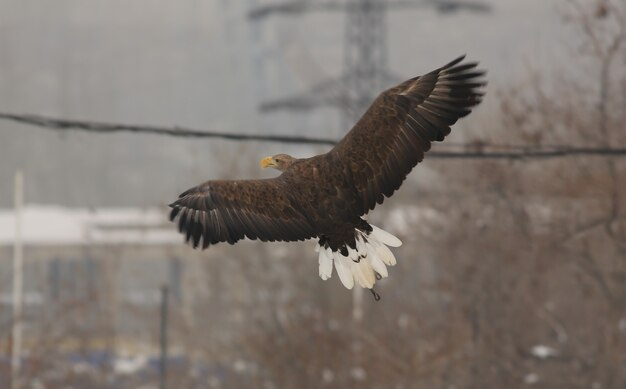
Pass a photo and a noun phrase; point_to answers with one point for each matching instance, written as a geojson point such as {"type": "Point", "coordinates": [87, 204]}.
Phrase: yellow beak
{"type": "Point", "coordinates": [267, 162]}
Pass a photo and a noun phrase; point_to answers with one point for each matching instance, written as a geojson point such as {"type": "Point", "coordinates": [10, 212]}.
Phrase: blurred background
{"type": "Point", "coordinates": [513, 268]}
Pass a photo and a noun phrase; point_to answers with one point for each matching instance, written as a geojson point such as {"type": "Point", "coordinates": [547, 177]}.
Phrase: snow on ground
{"type": "Point", "coordinates": [55, 225]}
{"type": "Point", "coordinates": [130, 365]}
{"type": "Point", "coordinates": [58, 225]}
{"type": "Point", "coordinates": [543, 352]}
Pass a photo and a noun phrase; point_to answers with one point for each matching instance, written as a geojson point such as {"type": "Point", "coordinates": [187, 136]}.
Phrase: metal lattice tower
{"type": "Point", "coordinates": [365, 56]}
{"type": "Point", "coordinates": [364, 72]}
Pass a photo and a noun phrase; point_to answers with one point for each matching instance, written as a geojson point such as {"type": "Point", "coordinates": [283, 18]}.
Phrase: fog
{"type": "Point", "coordinates": [206, 65]}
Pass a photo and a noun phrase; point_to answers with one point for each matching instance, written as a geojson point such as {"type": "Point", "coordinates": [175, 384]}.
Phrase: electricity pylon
{"type": "Point", "coordinates": [365, 51]}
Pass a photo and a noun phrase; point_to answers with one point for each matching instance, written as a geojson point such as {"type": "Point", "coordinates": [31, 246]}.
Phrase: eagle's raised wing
{"type": "Point", "coordinates": [226, 211]}
{"type": "Point", "coordinates": [398, 128]}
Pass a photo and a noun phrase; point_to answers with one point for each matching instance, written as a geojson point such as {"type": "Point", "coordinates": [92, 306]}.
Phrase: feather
{"type": "Point", "coordinates": [385, 237]}
{"type": "Point", "coordinates": [325, 264]}
{"type": "Point", "coordinates": [377, 263]}
{"type": "Point", "coordinates": [383, 253]}
{"type": "Point", "coordinates": [399, 126]}
{"type": "Point", "coordinates": [364, 274]}
{"type": "Point", "coordinates": [342, 264]}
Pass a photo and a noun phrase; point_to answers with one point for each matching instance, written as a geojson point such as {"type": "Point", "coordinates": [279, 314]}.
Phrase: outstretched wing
{"type": "Point", "coordinates": [398, 128]}
{"type": "Point", "coordinates": [227, 211]}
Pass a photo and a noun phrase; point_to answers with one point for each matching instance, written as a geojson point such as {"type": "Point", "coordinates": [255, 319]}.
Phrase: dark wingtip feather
{"type": "Point", "coordinates": [185, 193]}
{"type": "Point", "coordinates": [181, 220]}
{"type": "Point", "coordinates": [454, 62]}
{"type": "Point", "coordinates": [461, 67]}
{"type": "Point", "coordinates": [174, 212]}
{"type": "Point", "coordinates": [205, 243]}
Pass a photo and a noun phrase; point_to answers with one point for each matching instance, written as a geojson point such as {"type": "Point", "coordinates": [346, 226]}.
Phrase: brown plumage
{"type": "Point", "coordinates": [325, 196]}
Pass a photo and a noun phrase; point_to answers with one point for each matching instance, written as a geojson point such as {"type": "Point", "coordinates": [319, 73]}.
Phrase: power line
{"type": "Point", "coordinates": [564, 151]}
{"type": "Point", "coordinates": [177, 131]}
{"type": "Point", "coordinates": [512, 152]}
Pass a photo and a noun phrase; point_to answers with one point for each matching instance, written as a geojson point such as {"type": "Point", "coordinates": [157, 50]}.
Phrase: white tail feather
{"type": "Point", "coordinates": [384, 254]}
{"type": "Point", "coordinates": [377, 263]}
{"type": "Point", "coordinates": [384, 237]}
{"type": "Point", "coordinates": [364, 274]}
{"type": "Point", "coordinates": [370, 257]}
{"type": "Point", "coordinates": [326, 263]}
{"type": "Point", "coordinates": [361, 269]}
{"type": "Point", "coordinates": [342, 264]}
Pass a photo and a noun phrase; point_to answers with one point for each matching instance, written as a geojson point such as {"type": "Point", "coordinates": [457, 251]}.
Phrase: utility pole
{"type": "Point", "coordinates": [18, 267]}
{"type": "Point", "coordinates": [163, 339]}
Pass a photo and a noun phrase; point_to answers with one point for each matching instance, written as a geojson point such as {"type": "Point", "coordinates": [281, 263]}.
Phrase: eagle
{"type": "Point", "coordinates": [326, 196]}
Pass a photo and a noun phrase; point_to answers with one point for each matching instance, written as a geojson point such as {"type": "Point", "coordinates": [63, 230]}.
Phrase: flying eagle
{"type": "Point", "coordinates": [326, 196]}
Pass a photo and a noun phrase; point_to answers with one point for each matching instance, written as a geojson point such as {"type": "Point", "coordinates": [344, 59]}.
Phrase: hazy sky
{"type": "Point", "coordinates": [203, 64]}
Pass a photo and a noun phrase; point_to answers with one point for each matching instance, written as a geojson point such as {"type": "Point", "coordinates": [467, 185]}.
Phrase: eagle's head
{"type": "Point", "coordinates": [279, 161]}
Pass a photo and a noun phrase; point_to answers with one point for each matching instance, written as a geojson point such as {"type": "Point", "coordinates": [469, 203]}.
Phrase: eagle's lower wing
{"type": "Point", "coordinates": [227, 211]}
{"type": "Point", "coordinates": [398, 128]}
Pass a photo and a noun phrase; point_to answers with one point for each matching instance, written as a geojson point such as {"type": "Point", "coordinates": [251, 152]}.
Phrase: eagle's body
{"type": "Point", "coordinates": [325, 196]}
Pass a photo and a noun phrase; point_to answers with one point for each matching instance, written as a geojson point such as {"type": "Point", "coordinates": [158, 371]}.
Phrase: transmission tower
{"type": "Point", "coordinates": [365, 56]}
{"type": "Point", "coordinates": [365, 51]}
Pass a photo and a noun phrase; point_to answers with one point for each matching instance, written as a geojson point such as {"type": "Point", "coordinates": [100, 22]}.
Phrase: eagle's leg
{"type": "Point", "coordinates": [375, 294]}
